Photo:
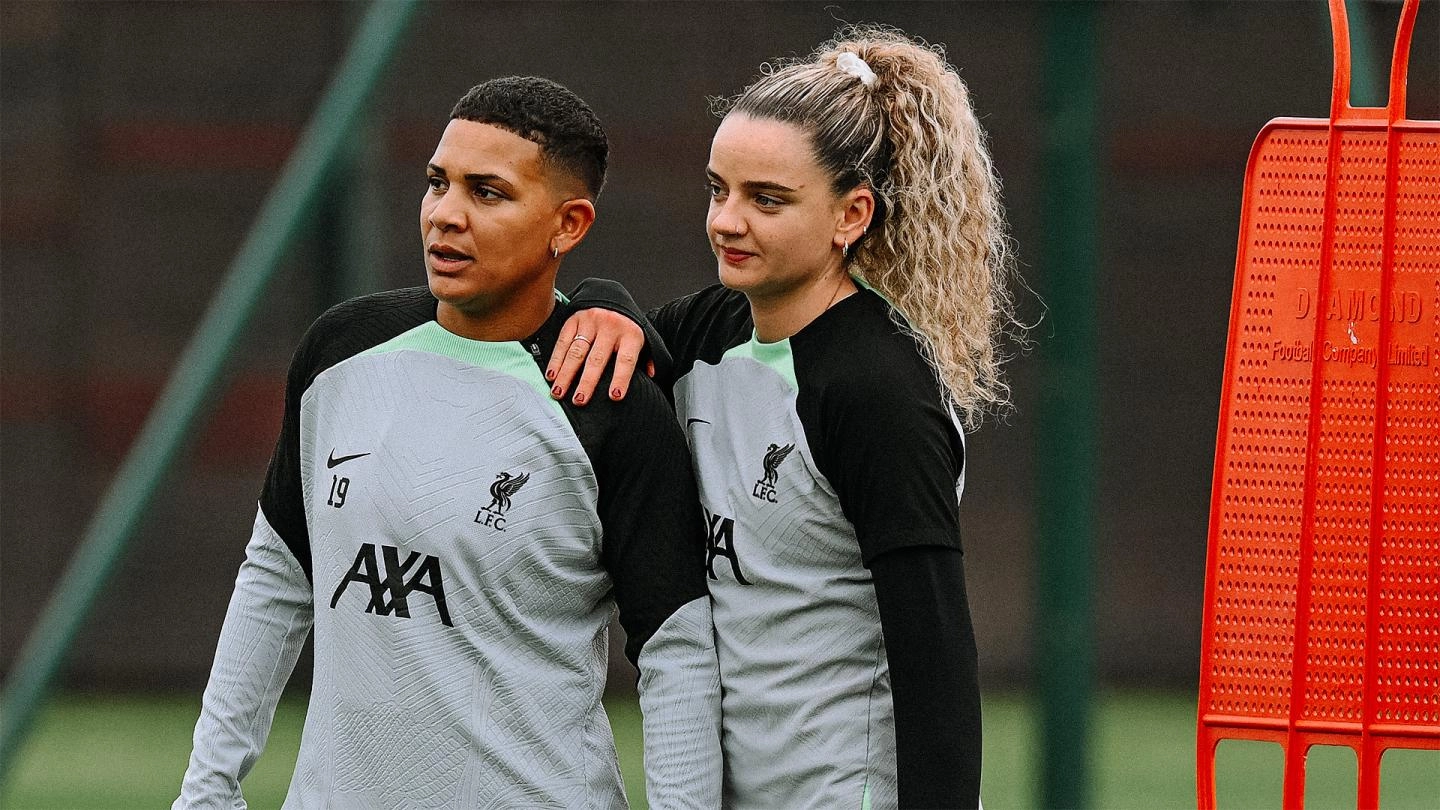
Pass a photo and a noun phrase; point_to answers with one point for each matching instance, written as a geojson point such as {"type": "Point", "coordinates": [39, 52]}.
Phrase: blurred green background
{"type": "Point", "coordinates": [108, 752]}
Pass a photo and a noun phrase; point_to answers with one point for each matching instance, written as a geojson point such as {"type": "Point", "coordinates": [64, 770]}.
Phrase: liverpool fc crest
{"type": "Point", "coordinates": [505, 486]}
{"type": "Point", "coordinates": [765, 487]}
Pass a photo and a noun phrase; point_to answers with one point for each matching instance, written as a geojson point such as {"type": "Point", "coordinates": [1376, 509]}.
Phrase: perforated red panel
{"type": "Point", "coordinates": [1263, 487]}
{"type": "Point", "coordinates": [1297, 525]}
{"type": "Point", "coordinates": [1407, 667]}
{"type": "Point", "coordinates": [1322, 620]}
{"type": "Point", "coordinates": [1351, 353]}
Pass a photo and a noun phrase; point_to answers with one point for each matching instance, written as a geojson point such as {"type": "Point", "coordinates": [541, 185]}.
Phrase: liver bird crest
{"type": "Point", "coordinates": [505, 485]}
{"type": "Point", "coordinates": [773, 457]}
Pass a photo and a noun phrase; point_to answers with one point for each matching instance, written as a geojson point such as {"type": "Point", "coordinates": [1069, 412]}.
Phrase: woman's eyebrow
{"type": "Point", "coordinates": [473, 179]}
{"type": "Point", "coordinates": [482, 179]}
{"type": "Point", "coordinates": [766, 185]}
{"type": "Point", "coordinates": [755, 185]}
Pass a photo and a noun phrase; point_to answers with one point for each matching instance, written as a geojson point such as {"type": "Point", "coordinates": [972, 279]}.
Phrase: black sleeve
{"type": "Point", "coordinates": [892, 453]}
{"type": "Point", "coordinates": [896, 477]}
{"type": "Point", "coordinates": [281, 498]}
{"type": "Point", "coordinates": [930, 646]}
{"type": "Point", "coordinates": [600, 293]}
{"type": "Point", "coordinates": [889, 447]}
{"type": "Point", "coordinates": [654, 542]}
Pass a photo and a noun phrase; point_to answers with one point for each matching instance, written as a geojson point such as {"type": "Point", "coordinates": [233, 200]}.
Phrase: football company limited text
{"type": "Point", "coordinates": [1396, 354]}
{"type": "Point", "coordinates": [1353, 306]}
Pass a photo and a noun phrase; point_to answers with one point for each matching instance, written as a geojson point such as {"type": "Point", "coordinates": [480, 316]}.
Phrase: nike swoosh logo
{"type": "Point", "coordinates": [692, 420]}
{"type": "Point", "coordinates": [336, 462]}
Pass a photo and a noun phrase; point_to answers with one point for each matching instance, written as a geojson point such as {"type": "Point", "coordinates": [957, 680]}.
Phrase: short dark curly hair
{"type": "Point", "coordinates": [545, 113]}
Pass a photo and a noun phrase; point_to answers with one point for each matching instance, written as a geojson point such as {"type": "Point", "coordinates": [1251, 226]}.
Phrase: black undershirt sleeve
{"type": "Point", "coordinates": [882, 436]}
{"type": "Point", "coordinates": [933, 678]}
{"type": "Point", "coordinates": [896, 480]}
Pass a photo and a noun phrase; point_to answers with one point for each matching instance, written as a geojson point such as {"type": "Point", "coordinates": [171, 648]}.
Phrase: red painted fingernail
{"type": "Point", "coordinates": [550, 374]}
{"type": "Point", "coordinates": [579, 399]}
{"type": "Point", "coordinates": [556, 391]}
{"type": "Point", "coordinates": [615, 393]}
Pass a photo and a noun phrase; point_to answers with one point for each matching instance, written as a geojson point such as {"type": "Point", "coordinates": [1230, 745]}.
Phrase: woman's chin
{"type": "Point", "coordinates": [449, 289]}
{"type": "Point", "coordinates": [735, 278]}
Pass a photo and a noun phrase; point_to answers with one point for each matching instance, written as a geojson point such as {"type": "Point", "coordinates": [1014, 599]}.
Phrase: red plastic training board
{"type": "Point", "coordinates": [1322, 591]}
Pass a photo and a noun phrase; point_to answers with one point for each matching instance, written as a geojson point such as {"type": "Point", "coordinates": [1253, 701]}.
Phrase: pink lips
{"type": "Point", "coordinates": [735, 257]}
{"type": "Point", "coordinates": [444, 257]}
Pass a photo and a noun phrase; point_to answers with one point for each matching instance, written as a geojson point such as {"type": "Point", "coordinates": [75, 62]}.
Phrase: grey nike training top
{"type": "Point", "coordinates": [458, 541]}
{"type": "Point", "coordinates": [830, 471]}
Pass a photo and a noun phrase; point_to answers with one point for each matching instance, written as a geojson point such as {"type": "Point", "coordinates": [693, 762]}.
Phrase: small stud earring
{"type": "Point", "coordinates": [845, 251]}
{"type": "Point", "coordinates": [554, 252]}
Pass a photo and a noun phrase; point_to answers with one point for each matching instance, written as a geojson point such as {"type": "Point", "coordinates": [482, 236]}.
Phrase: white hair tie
{"type": "Point", "coordinates": [855, 66]}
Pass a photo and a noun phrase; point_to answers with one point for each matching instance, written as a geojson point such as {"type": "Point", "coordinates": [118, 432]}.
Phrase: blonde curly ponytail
{"type": "Point", "coordinates": [937, 247]}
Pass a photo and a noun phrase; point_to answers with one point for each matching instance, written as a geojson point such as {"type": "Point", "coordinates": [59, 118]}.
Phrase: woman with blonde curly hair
{"type": "Point", "coordinates": [823, 383]}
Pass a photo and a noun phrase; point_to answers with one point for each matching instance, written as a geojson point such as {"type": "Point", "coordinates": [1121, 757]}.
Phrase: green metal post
{"type": "Point", "coordinates": [363, 215]}
{"type": "Point", "coordinates": [198, 372]}
{"type": "Point", "coordinates": [1068, 465]}
{"type": "Point", "coordinates": [360, 211]}
{"type": "Point", "coordinates": [1365, 81]}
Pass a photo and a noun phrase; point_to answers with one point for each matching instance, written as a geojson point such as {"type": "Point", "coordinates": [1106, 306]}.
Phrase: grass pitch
{"type": "Point", "coordinates": [116, 752]}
